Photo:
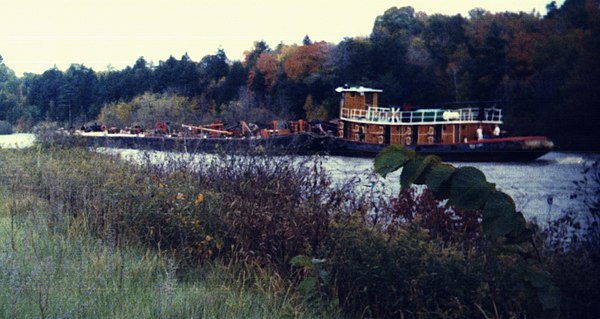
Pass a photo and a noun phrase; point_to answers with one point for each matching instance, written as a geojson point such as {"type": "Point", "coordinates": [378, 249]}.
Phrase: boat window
{"type": "Point", "coordinates": [369, 99]}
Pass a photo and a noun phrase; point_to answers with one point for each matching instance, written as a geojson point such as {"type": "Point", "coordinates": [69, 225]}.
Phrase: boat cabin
{"type": "Point", "coordinates": [362, 120]}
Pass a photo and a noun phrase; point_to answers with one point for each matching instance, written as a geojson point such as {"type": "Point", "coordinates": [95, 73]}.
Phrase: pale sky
{"type": "Point", "coordinates": [35, 35]}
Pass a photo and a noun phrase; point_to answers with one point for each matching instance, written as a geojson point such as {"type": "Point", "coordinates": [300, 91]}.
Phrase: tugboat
{"type": "Point", "coordinates": [470, 133]}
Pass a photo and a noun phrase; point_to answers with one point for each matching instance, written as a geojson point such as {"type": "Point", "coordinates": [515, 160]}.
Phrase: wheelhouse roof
{"type": "Point", "coordinates": [360, 89]}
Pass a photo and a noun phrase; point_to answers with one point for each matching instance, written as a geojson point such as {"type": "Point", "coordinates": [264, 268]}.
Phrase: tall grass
{"type": "Point", "coordinates": [52, 266]}
{"type": "Point", "coordinates": [219, 238]}
{"type": "Point", "coordinates": [260, 209]}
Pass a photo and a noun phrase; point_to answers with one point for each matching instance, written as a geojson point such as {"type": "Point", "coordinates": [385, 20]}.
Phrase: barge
{"type": "Point", "coordinates": [363, 129]}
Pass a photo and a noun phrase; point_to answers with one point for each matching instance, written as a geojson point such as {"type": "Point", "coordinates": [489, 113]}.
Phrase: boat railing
{"type": "Point", "coordinates": [393, 115]}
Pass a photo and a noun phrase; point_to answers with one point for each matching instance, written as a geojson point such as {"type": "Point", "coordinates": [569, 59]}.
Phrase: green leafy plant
{"type": "Point", "coordinates": [315, 284]}
{"type": "Point", "coordinates": [467, 188]}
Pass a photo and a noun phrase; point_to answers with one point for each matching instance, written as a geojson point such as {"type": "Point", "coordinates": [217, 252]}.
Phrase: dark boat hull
{"type": "Point", "coordinates": [492, 150]}
{"type": "Point", "coordinates": [281, 144]}
{"type": "Point", "coordinates": [515, 149]}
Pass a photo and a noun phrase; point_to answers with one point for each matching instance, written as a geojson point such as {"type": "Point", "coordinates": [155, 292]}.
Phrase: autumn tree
{"type": "Point", "coordinates": [307, 60]}
{"type": "Point", "coordinates": [267, 66]}
{"type": "Point", "coordinates": [251, 57]}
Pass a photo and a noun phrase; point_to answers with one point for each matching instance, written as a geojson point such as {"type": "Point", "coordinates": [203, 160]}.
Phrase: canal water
{"type": "Point", "coordinates": [542, 189]}
{"type": "Point", "coordinates": [19, 140]}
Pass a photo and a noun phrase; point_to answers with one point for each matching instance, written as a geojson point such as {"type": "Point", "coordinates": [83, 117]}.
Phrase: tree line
{"type": "Point", "coordinates": [544, 68]}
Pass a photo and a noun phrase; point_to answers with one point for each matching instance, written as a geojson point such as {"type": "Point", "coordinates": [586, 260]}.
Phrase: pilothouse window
{"type": "Point", "coordinates": [369, 99]}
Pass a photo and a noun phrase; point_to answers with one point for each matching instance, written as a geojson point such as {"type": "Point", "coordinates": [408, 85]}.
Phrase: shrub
{"type": "Point", "coordinates": [571, 249]}
{"type": "Point", "coordinates": [6, 128]}
{"type": "Point", "coordinates": [145, 109]}
{"type": "Point", "coordinates": [440, 220]}
{"type": "Point", "coordinates": [275, 209]}
{"type": "Point", "coordinates": [50, 135]}
{"type": "Point", "coordinates": [393, 268]}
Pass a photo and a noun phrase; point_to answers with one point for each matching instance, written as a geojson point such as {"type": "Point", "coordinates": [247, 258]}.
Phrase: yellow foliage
{"type": "Point", "coordinates": [124, 111]}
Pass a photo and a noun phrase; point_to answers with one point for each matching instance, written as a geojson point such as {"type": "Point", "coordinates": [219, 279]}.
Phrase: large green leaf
{"type": "Point", "coordinates": [307, 285]}
{"type": "Point", "coordinates": [438, 180]}
{"type": "Point", "coordinates": [392, 158]}
{"type": "Point", "coordinates": [414, 169]}
{"type": "Point", "coordinates": [548, 294]}
{"type": "Point", "coordinates": [431, 160]}
{"type": "Point", "coordinates": [301, 261]}
{"type": "Point", "coordinates": [469, 189]}
{"type": "Point", "coordinates": [520, 232]}
{"type": "Point", "coordinates": [499, 216]}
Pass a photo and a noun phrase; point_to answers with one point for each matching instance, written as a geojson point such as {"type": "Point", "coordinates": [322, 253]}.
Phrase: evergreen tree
{"type": "Point", "coordinates": [488, 66]}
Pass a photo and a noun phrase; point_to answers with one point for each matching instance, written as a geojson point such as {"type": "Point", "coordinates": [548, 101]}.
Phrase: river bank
{"type": "Point", "coordinates": [55, 266]}
{"type": "Point", "coordinates": [271, 210]}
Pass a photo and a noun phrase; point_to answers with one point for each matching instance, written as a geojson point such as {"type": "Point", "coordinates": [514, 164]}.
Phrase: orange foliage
{"type": "Point", "coordinates": [267, 66]}
{"type": "Point", "coordinates": [306, 60]}
{"type": "Point", "coordinates": [286, 51]}
{"type": "Point", "coordinates": [522, 46]}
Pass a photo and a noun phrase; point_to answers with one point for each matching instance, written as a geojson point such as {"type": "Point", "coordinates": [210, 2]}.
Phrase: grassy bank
{"type": "Point", "coordinates": [89, 235]}
{"type": "Point", "coordinates": [62, 272]}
